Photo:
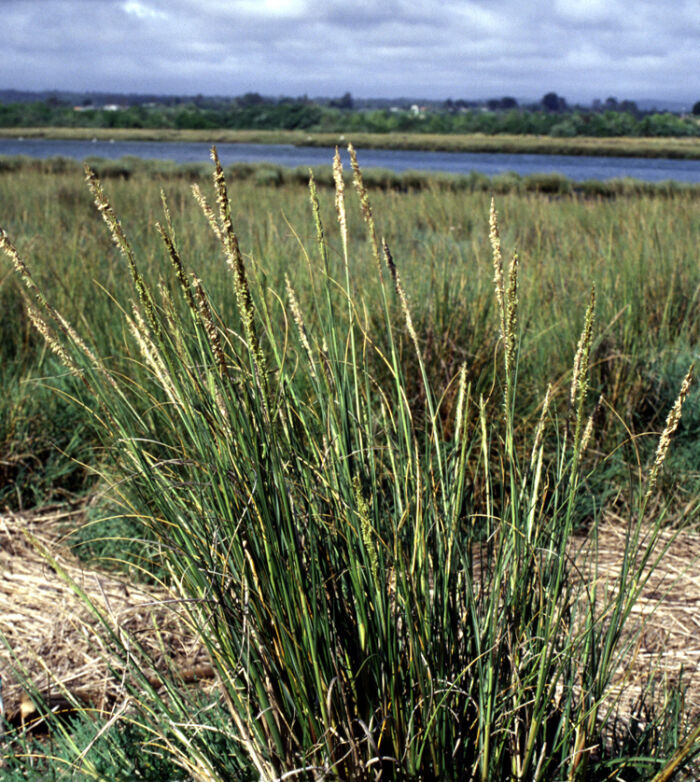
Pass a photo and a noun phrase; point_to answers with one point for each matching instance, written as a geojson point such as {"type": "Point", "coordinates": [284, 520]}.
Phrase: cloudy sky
{"type": "Point", "coordinates": [582, 49]}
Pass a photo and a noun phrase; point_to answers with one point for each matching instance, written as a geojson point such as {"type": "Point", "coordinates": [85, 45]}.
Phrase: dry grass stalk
{"type": "Point", "coordinates": [52, 632]}
{"type": "Point", "coordinates": [665, 616]}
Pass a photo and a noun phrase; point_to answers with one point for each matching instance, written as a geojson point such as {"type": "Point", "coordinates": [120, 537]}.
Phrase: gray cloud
{"type": "Point", "coordinates": [479, 48]}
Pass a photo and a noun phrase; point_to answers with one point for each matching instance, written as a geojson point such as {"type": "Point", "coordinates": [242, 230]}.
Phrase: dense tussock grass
{"type": "Point", "coordinates": [639, 252]}
{"type": "Point", "coordinates": [367, 499]}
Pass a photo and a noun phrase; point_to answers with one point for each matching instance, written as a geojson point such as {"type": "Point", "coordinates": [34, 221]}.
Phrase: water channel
{"type": "Point", "coordinates": [577, 168]}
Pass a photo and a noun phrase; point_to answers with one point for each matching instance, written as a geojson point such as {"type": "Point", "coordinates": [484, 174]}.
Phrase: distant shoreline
{"type": "Point", "coordinates": [622, 146]}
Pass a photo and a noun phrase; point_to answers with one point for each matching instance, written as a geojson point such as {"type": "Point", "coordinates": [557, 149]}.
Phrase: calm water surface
{"type": "Point", "coordinates": [574, 167]}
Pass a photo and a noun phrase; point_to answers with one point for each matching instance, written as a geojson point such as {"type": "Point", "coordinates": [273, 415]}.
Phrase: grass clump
{"type": "Point", "coordinates": [380, 567]}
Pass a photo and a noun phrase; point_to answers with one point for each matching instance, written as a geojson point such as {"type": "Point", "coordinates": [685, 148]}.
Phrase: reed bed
{"type": "Point", "coordinates": [370, 525]}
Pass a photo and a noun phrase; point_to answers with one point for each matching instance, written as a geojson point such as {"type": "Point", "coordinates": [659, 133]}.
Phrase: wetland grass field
{"type": "Point", "coordinates": [358, 439]}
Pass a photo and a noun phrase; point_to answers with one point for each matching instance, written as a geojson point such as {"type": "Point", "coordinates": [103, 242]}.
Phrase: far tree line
{"type": "Point", "coordinates": [552, 115]}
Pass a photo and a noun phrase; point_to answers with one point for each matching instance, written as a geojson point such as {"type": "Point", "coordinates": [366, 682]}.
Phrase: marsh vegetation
{"type": "Point", "coordinates": [357, 435]}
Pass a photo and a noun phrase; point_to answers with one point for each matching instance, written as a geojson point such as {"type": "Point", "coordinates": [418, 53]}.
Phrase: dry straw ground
{"type": "Point", "coordinates": [55, 636]}
{"type": "Point", "coordinates": [60, 642]}
{"type": "Point", "coordinates": [666, 618]}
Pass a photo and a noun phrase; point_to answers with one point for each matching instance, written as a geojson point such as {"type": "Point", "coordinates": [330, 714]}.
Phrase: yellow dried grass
{"type": "Point", "coordinates": [57, 639]}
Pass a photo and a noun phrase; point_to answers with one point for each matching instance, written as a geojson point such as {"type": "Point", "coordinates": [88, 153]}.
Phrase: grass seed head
{"type": "Point", "coordinates": [54, 344]}
{"type": "Point", "coordinates": [588, 429]}
{"type": "Point", "coordinates": [207, 211]}
{"type": "Point", "coordinates": [498, 279]}
{"type": "Point", "coordinates": [340, 200]}
{"type": "Point", "coordinates": [20, 267]}
{"type": "Point", "coordinates": [167, 215]}
{"type": "Point", "coordinates": [177, 264]}
{"type": "Point", "coordinates": [234, 260]}
{"type": "Point", "coordinates": [366, 530]}
{"type": "Point", "coordinates": [672, 421]}
{"type": "Point", "coordinates": [389, 260]}
{"type": "Point", "coordinates": [122, 244]}
{"type": "Point", "coordinates": [365, 206]}
{"type": "Point", "coordinates": [221, 194]}
{"type": "Point", "coordinates": [511, 315]}
{"type": "Point", "coordinates": [403, 298]}
{"type": "Point", "coordinates": [299, 320]}
{"type": "Point", "coordinates": [316, 211]}
{"type": "Point", "coordinates": [461, 401]}
{"type": "Point", "coordinates": [212, 331]}
{"type": "Point", "coordinates": [151, 354]}
{"type": "Point", "coordinates": [579, 377]}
